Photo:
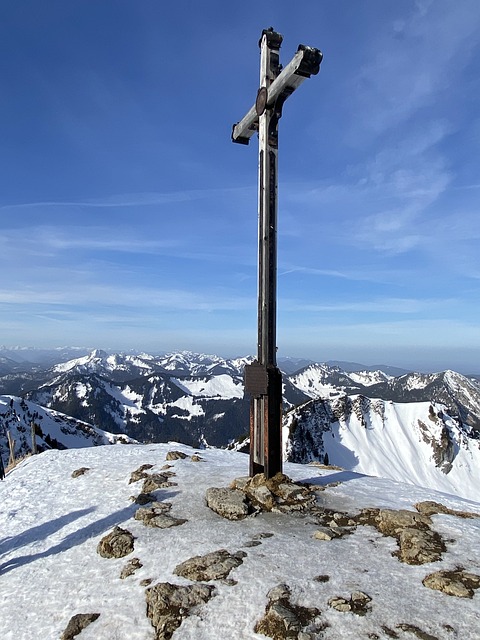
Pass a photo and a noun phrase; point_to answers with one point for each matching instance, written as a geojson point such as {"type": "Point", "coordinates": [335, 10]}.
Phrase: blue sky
{"type": "Point", "coordinates": [129, 219]}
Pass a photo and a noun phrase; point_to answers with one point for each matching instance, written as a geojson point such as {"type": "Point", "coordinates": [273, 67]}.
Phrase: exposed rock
{"type": "Point", "coordinates": [417, 543]}
{"type": "Point", "coordinates": [176, 455]}
{"type": "Point", "coordinates": [430, 508]}
{"type": "Point", "coordinates": [391, 522]}
{"type": "Point", "coordinates": [411, 628]}
{"type": "Point", "coordinates": [79, 472]}
{"type": "Point", "coordinates": [284, 620]}
{"type": "Point", "coordinates": [277, 494]}
{"type": "Point", "coordinates": [230, 582]}
{"type": "Point", "coordinates": [325, 533]}
{"type": "Point", "coordinates": [212, 566]}
{"type": "Point", "coordinates": [77, 623]}
{"type": "Point", "coordinates": [419, 546]}
{"type": "Point", "coordinates": [454, 583]}
{"type": "Point", "coordinates": [144, 498]}
{"type": "Point", "coordinates": [258, 492]}
{"type": "Point", "coordinates": [156, 516]}
{"type": "Point", "coordinates": [358, 603]}
{"type": "Point", "coordinates": [146, 582]}
{"type": "Point", "coordinates": [252, 543]}
{"type": "Point", "coordinates": [240, 483]}
{"type": "Point", "coordinates": [322, 578]}
{"type": "Point", "coordinates": [129, 569]}
{"type": "Point", "coordinates": [196, 458]}
{"type": "Point", "coordinates": [117, 544]}
{"type": "Point", "coordinates": [140, 473]}
{"type": "Point", "coordinates": [169, 604]}
{"type": "Point", "coordinates": [228, 503]}
{"type": "Point", "coordinates": [156, 481]}
{"type": "Point", "coordinates": [262, 535]}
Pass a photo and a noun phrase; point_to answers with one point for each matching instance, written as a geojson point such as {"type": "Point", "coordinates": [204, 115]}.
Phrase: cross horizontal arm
{"type": "Point", "coordinates": [305, 62]}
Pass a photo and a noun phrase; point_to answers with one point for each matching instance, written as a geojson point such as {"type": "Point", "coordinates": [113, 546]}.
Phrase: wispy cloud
{"type": "Point", "coordinates": [414, 61]}
{"type": "Point", "coordinates": [148, 199]}
{"type": "Point", "coordinates": [386, 305]}
{"type": "Point", "coordinates": [92, 296]}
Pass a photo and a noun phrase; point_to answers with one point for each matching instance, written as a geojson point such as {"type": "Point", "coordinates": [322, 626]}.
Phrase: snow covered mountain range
{"type": "Point", "coordinates": [422, 428]}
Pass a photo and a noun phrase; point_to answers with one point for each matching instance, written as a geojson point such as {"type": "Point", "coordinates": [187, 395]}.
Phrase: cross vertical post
{"type": "Point", "coordinates": [263, 379]}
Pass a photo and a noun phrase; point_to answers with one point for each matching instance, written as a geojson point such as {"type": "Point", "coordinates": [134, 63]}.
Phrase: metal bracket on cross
{"type": "Point", "coordinates": [263, 380]}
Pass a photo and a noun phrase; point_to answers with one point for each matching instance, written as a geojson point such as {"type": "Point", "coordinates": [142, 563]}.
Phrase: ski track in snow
{"type": "Point", "coordinates": [51, 523]}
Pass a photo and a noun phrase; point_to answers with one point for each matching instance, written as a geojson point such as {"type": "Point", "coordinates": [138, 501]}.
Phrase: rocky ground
{"type": "Point", "coordinates": [276, 558]}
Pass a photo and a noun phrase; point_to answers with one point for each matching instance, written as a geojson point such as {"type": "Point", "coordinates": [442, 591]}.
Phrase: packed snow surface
{"type": "Point", "coordinates": [221, 386]}
{"type": "Point", "coordinates": [51, 524]}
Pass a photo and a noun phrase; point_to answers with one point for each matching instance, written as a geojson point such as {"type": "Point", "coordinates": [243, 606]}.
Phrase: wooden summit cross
{"type": "Point", "coordinates": [263, 379]}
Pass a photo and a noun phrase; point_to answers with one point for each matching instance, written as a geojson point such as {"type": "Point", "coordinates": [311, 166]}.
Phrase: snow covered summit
{"type": "Point", "coordinates": [58, 506]}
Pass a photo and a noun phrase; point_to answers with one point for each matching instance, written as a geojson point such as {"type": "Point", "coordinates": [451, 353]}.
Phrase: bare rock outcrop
{"type": "Point", "coordinates": [430, 508]}
{"type": "Point", "coordinates": [156, 481]}
{"type": "Point", "coordinates": [279, 493]}
{"type": "Point", "coordinates": [80, 472]}
{"type": "Point", "coordinates": [77, 623]}
{"type": "Point", "coordinates": [252, 495]}
{"type": "Point", "coordinates": [158, 516]}
{"type": "Point", "coordinates": [418, 543]}
{"type": "Point", "coordinates": [169, 604]}
{"type": "Point", "coordinates": [228, 503]}
{"type": "Point", "coordinates": [458, 582]}
{"type": "Point", "coordinates": [129, 569]}
{"type": "Point", "coordinates": [283, 619]}
{"type": "Point", "coordinates": [117, 544]}
{"type": "Point", "coordinates": [212, 566]}
{"type": "Point", "coordinates": [358, 603]}
{"type": "Point", "coordinates": [176, 455]}
{"type": "Point", "coordinates": [140, 473]}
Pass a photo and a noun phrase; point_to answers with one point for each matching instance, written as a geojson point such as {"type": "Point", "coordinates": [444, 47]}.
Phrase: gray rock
{"type": "Point", "coordinates": [146, 582]}
{"type": "Point", "coordinates": [419, 546]}
{"type": "Point", "coordinates": [262, 535]}
{"type": "Point", "coordinates": [129, 569]}
{"type": "Point", "coordinates": [325, 533]}
{"type": "Point", "coordinates": [169, 604]}
{"type": "Point", "coordinates": [358, 603]}
{"type": "Point", "coordinates": [228, 503]}
{"type": "Point", "coordinates": [140, 473]}
{"type": "Point", "coordinates": [144, 498]}
{"type": "Point", "coordinates": [156, 481]}
{"type": "Point", "coordinates": [284, 620]}
{"type": "Point", "coordinates": [157, 516]}
{"type": "Point", "coordinates": [77, 623]}
{"type": "Point", "coordinates": [117, 544]}
{"type": "Point", "coordinates": [457, 583]}
{"type": "Point", "coordinates": [280, 592]}
{"type": "Point", "coordinates": [176, 455]}
{"type": "Point", "coordinates": [417, 542]}
{"type": "Point", "coordinates": [429, 508]}
{"type": "Point", "coordinates": [240, 483]}
{"type": "Point", "coordinates": [79, 472]}
{"type": "Point", "coordinates": [392, 522]}
{"type": "Point", "coordinates": [212, 566]}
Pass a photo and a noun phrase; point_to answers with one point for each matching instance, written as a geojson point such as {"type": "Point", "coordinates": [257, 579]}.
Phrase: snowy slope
{"type": "Point", "coordinates": [415, 442]}
{"type": "Point", "coordinates": [51, 524]}
{"type": "Point", "coordinates": [53, 429]}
